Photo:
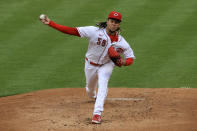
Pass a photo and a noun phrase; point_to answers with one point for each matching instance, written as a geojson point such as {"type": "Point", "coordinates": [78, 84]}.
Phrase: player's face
{"type": "Point", "coordinates": [113, 25]}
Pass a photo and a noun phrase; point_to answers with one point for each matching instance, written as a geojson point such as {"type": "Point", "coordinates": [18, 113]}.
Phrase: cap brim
{"type": "Point", "coordinates": [114, 19]}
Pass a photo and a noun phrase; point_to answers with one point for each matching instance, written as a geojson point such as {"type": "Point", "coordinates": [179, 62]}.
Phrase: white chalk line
{"type": "Point", "coordinates": [125, 99]}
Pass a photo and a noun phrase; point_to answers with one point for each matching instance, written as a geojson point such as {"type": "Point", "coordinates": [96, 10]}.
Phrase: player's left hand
{"type": "Point", "coordinates": [119, 62]}
{"type": "Point", "coordinates": [115, 57]}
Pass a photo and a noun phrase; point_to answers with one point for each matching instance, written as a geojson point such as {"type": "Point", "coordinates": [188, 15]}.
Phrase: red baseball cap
{"type": "Point", "coordinates": [115, 15]}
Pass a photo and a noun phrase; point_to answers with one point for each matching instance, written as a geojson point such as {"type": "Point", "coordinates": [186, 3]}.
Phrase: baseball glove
{"type": "Point", "coordinates": [115, 57]}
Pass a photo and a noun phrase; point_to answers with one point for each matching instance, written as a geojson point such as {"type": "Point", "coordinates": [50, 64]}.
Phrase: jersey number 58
{"type": "Point", "coordinates": [101, 42]}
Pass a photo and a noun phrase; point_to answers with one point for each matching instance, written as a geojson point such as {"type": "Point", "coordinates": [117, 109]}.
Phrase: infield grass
{"type": "Point", "coordinates": [163, 35]}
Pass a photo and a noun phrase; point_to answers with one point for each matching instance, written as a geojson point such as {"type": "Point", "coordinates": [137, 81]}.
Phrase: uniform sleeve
{"type": "Point", "coordinates": [64, 29]}
{"type": "Point", "coordinates": [128, 52]}
{"type": "Point", "coordinates": [129, 61]}
{"type": "Point", "coordinates": [87, 31]}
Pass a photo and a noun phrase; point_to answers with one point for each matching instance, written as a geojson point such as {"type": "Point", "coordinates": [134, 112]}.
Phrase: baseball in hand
{"type": "Point", "coordinates": [44, 19]}
{"type": "Point", "coordinates": [42, 16]}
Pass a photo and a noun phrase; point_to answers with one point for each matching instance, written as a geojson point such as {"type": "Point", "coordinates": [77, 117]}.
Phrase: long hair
{"type": "Point", "coordinates": [103, 25]}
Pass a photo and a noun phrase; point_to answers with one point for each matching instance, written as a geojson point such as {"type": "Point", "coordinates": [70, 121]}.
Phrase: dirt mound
{"type": "Point", "coordinates": [135, 109]}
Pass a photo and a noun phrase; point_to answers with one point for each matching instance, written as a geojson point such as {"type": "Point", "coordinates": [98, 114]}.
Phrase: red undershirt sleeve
{"type": "Point", "coordinates": [129, 61]}
{"type": "Point", "coordinates": [64, 29]}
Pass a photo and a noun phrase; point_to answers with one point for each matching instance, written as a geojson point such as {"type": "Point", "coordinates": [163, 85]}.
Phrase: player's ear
{"type": "Point", "coordinates": [107, 21]}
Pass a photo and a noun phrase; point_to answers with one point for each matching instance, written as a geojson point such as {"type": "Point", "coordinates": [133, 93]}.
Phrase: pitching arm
{"type": "Point", "coordinates": [64, 29]}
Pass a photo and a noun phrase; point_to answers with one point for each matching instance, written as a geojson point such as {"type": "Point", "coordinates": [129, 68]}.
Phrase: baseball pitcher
{"type": "Point", "coordinates": [103, 54]}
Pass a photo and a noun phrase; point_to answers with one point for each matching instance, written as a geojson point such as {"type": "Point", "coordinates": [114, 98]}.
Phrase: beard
{"type": "Point", "coordinates": [114, 30]}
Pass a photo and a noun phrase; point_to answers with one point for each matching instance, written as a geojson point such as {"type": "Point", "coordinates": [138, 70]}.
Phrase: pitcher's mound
{"type": "Point", "coordinates": [134, 109]}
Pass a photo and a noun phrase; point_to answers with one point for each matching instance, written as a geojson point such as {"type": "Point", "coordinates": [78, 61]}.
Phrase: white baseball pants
{"type": "Point", "coordinates": [98, 76]}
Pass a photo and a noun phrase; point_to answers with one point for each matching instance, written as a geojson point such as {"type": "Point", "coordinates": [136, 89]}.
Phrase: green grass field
{"type": "Point", "coordinates": [162, 33]}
